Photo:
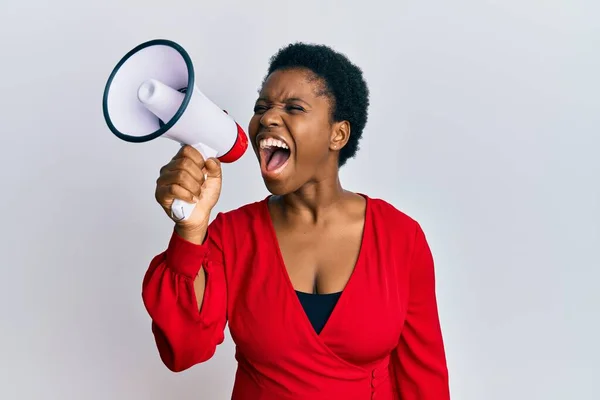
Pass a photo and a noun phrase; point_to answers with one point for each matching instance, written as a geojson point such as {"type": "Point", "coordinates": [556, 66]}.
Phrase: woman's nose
{"type": "Point", "coordinates": [270, 118]}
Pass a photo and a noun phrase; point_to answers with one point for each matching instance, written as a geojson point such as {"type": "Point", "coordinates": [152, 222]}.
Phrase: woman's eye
{"type": "Point", "coordinates": [295, 108]}
{"type": "Point", "coordinates": [259, 109]}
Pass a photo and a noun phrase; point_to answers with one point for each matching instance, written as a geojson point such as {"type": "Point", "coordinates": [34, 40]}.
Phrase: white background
{"type": "Point", "coordinates": [484, 126]}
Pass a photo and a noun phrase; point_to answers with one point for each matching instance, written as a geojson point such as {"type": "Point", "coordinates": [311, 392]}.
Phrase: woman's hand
{"type": "Point", "coordinates": [190, 178]}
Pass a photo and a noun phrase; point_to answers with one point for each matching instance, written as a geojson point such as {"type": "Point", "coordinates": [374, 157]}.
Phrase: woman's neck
{"type": "Point", "coordinates": [314, 201]}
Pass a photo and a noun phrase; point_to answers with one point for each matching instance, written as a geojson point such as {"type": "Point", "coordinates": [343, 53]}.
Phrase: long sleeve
{"type": "Point", "coordinates": [419, 361]}
{"type": "Point", "coordinates": [184, 335]}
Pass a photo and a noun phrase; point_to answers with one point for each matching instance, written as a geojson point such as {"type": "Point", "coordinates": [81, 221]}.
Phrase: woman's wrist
{"type": "Point", "coordinates": [195, 235]}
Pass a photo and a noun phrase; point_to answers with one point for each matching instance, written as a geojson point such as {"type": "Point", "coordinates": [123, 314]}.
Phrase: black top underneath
{"type": "Point", "coordinates": [318, 307]}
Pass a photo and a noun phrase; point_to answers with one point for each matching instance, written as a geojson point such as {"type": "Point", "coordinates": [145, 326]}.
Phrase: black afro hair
{"type": "Point", "coordinates": [343, 83]}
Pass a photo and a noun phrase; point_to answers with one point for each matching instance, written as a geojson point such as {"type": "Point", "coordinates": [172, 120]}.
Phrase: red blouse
{"type": "Point", "coordinates": [382, 341]}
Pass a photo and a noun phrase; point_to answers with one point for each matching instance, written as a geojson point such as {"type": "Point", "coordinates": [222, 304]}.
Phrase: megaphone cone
{"type": "Point", "coordinates": [152, 93]}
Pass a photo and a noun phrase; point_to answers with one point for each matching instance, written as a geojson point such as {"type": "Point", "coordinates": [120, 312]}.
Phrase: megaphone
{"type": "Point", "coordinates": [152, 93]}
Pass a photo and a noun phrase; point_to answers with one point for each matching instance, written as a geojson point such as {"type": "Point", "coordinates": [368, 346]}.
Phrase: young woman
{"type": "Point", "coordinates": [328, 294]}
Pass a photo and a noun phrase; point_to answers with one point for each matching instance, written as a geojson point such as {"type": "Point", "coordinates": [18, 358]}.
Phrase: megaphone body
{"type": "Point", "coordinates": [152, 93]}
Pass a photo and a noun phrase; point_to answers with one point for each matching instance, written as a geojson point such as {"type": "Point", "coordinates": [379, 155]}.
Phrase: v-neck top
{"type": "Point", "coordinates": [382, 338]}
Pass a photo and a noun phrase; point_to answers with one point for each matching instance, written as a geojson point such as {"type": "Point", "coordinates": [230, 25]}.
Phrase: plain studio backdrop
{"type": "Point", "coordinates": [484, 126]}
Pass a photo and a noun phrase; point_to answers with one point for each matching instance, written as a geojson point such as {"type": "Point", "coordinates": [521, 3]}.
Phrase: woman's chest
{"type": "Point", "coordinates": [267, 320]}
{"type": "Point", "coordinates": [321, 262]}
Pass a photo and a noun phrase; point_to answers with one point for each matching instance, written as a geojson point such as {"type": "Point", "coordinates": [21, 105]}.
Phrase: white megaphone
{"type": "Point", "coordinates": [152, 93]}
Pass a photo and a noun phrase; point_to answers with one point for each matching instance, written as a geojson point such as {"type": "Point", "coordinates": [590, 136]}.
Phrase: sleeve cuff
{"type": "Point", "coordinates": [184, 257]}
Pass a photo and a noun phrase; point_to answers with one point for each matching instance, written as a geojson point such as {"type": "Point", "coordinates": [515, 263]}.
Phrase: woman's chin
{"type": "Point", "coordinates": [277, 183]}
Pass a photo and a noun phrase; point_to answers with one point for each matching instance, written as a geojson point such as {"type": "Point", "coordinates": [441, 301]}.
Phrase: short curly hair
{"type": "Point", "coordinates": [343, 83]}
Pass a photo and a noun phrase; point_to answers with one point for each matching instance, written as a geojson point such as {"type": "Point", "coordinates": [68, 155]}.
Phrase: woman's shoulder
{"type": "Point", "coordinates": [386, 212]}
{"type": "Point", "coordinates": [248, 212]}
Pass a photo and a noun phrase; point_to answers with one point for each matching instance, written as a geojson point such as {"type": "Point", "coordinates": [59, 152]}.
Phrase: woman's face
{"type": "Point", "coordinates": [291, 131]}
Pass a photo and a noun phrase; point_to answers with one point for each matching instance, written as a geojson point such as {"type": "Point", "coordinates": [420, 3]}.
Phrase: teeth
{"type": "Point", "coordinates": [271, 142]}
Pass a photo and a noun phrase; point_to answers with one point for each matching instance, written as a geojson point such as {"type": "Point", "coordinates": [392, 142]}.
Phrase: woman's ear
{"type": "Point", "coordinates": [339, 135]}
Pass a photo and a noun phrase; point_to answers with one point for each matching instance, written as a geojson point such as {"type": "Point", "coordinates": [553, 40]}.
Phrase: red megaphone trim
{"type": "Point", "coordinates": [238, 149]}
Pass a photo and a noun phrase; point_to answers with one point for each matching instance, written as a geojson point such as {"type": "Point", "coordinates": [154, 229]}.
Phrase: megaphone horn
{"type": "Point", "coordinates": [152, 93]}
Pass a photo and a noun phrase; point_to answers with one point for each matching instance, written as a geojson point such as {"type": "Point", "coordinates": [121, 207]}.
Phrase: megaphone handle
{"type": "Point", "coordinates": [181, 210]}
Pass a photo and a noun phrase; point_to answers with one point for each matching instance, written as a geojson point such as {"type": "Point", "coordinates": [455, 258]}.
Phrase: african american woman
{"type": "Point", "coordinates": [328, 294]}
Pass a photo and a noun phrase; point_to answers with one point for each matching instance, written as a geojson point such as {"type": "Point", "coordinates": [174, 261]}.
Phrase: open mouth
{"type": "Point", "coordinates": [274, 153]}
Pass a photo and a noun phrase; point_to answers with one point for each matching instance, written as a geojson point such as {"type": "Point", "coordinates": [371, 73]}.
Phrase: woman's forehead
{"type": "Point", "coordinates": [290, 84]}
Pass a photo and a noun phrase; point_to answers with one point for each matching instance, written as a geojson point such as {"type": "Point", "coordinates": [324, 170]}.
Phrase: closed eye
{"type": "Point", "coordinates": [294, 107]}
{"type": "Point", "coordinates": [259, 109]}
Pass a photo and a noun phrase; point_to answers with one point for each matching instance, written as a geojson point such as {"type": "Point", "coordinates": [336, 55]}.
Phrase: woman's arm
{"type": "Point", "coordinates": [419, 361]}
{"type": "Point", "coordinates": [185, 294]}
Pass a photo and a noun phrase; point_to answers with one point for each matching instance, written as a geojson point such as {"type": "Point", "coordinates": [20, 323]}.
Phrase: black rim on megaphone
{"type": "Point", "coordinates": [163, 127]}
